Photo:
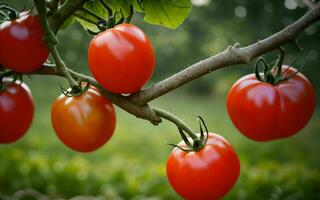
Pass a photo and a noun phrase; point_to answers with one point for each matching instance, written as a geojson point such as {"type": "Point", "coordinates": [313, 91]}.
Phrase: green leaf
{"type": "Point", "coordinates": [117, 6]}
{"type": "Point", "coordinates": [120, 6]}
{"type": "Point", "coordinates": [168, 13]}
{"type": "Point", "coordinates": [137, 6]}
{"type": "Point", "coordinates": [95, 7]}
{"type": "Point", "coordinates": [71, 20]}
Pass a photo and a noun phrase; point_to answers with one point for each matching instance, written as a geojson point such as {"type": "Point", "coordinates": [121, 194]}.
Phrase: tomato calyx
{"type": "Point", "coordinates": [15, 76]}
{"type": "Point", "coordinates": [101, 23]}
{"type": "Point", "coordinates": [7, 13]}
{"type": "Point", "coordinates": [140, 4]}
{"type": "Point", "coordinates": [77, 90]}
{"type": "Point", "coordinates": [273, 75]}
{"type": "Point", "coordinates": [194, 143]}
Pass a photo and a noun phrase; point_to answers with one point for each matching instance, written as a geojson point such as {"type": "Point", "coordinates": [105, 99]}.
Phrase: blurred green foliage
{"type": "Point", "coordinates": [132, 164]}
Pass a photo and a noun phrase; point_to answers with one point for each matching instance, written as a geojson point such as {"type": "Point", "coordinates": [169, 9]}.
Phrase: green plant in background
{"type": "Point", "coordinates": [143, 176]}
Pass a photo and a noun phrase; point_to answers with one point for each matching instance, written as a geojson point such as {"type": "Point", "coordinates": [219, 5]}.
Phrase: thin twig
{"type": "Point", "coordinates": [128, 19]}
{"type": "Point", "coordinates": [310, 3]}
{"type": "Point", "coordinates": [84, 19]}
{"type": "Point", "coordinates": [83, 9]}
{"type": "Point", "coordinates": [52, 41]}
{"type": "Point", "coordinates": [178, 122]}
{"type": "Point", "coordinates": [53, 4]}
{"type": "Point", "coordinates": [144, 112]}
{"type": "Point", "coordinates": [64, 12]}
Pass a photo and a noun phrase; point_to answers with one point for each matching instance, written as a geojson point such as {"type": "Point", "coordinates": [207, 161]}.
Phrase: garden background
{"type": "Point", "coordinates": [132, 164]}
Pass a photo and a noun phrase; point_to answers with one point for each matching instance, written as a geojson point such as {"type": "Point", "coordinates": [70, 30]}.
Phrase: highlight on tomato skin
{"type": "Point", "coordinates": [206, 174]}
{"type": "Point", "coordinates": [16, 111]}
{"type": "Point", "coordinates": [84, 123]}
{"type": "Point", "coordinates": [265, 112]}
{"type": "Point", "coordinates": [121, 59]}
{"type": "Point", "coordinates": [22, 46]}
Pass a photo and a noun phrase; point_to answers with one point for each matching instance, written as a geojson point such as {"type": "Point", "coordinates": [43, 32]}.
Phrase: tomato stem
{"type": "Point", "coordinates": [92, 14]}
{"type": "Point", "coordinates": [289, 76]}
{"type": "Point", "coordinates": [4, 16]}
{"type": "Point", "coordinates": [203, 138]}
{"type": "Point", "coordinates": [265, 70]}
{"type": "Point", "coordinates": [128, 19]}
{"type": "Point", "coordinates": [121, 20]}
{"type": "Point", "coordinates": [11, 14]}
{"type": "Point", "coordinates": [182, 149]}
{"type": "Point", "coordinates": [16, 76]}
{"type": "Point", "coordinates": [274, 75]}
{"type": "Point", "coordinates": [198, 142]}
{"type": "Point", "coordinates": [140, 2]}
{"type": "Point", "coordinates": [76, 90]}
{"type": "Point", "coordinates": [184, 137]}
{"type": "Point", "coordinates": [109, 10]}
{"type": "Point", "coordinates": [178, 122]}
{"type": "Point", "coordinates": [6, 73]}
{"type": "Point", "coordinates": [53, 4]}
{"type": "Point", "coordinates": [268, 72]}
{"type": "Point", "coordinates": [91, 22]}
{"type": "Point", "coordinates": [84, 19]}
{"type": "Point", "coordinates": [51, 41]}
{"type": "Point", "coordinates": [280, 62]}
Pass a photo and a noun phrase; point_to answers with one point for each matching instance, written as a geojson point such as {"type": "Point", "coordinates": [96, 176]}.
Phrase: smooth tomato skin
{"type": "Point", "coordinates": [121, 59]}
{"type": "Point", "coordinates": [264, 112]}
{"type": "Point", "coordinates": [16, 112]}
{"type": "Point", "coordinates": [207, 174]}
{"type": "Point", "coordinates": [22, 46]}
{"type": "Point", "coordinates": [83, 123]}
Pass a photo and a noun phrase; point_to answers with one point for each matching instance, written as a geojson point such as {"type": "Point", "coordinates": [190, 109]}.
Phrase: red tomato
{"type": "Point", "coordinates": [121, 59]}
{"type": "Point", "coordinates": [263, 112]}
{"type": "Point", "coordinates": [16, 111]}
{"type": "Point", "coordinates": [22, 47]}
{"type": "Point", "coordinates": [207, 174]}
{"type": "Point", "coordinates": [84, 123]}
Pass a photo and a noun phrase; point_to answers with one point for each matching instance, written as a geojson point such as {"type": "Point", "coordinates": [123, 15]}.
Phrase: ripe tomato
{"type": "Point", "coordinates": [84, 123]}
{"type": "Point", "coordinates": [121, 59]}
{"type": "Point", "coordinates": [16, 111]}
{"type": "Point", "coordinates": [262, 111]}
{"type": "Point", "coordinates": [206, 174]}
{"type": "Point", "coordinates": [22, 47]}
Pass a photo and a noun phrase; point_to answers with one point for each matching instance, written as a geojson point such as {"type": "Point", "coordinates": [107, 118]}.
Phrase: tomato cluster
{"type": "Point", "coordinates": [122, 60]}
{"type": "Point", "coordinates": [276, 106]}
{"type": "Point", "coordinates": [82, 122]}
